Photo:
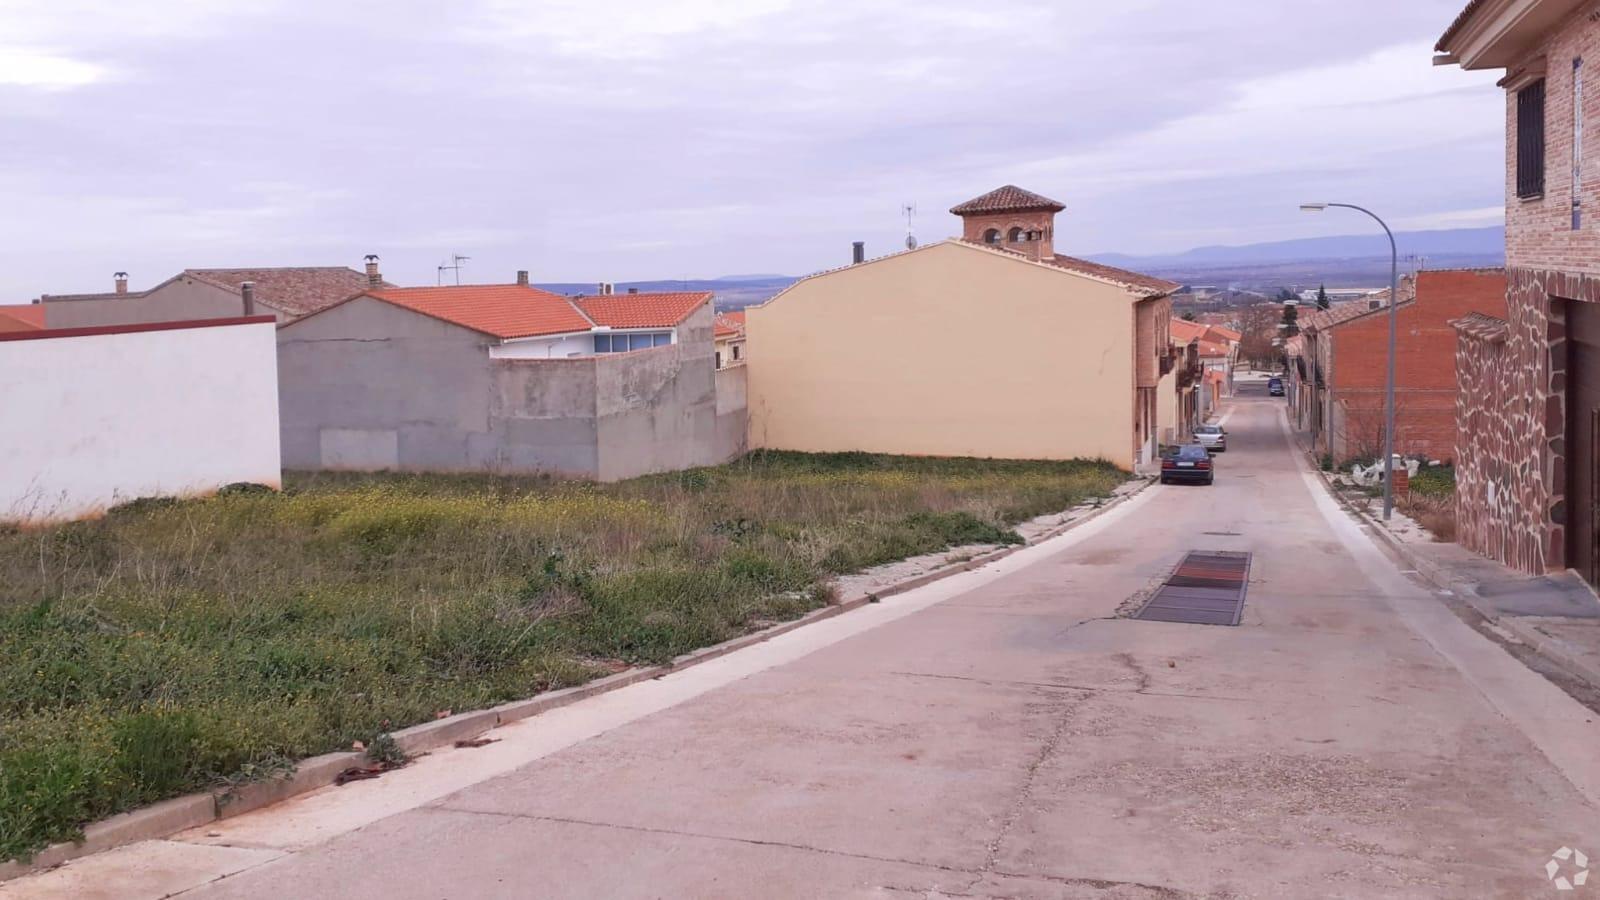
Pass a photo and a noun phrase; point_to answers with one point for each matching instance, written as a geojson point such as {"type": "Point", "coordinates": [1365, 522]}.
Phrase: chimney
{"type": "Point", "coordinates": [122, 282]}
{"type": "Point", "coordinates": [247, 292]}
{"type": "Point", "coordinates": [522, 278]}
{"type": "Point", "coordinates": [858, 252]}
{"type": "Point", "coordinates": [374, 280]}
{"type": "Point", "coordinates": [607, 288]}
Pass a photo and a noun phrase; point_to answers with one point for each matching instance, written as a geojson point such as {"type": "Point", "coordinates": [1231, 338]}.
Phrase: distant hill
{"type": "Point", "coordinates": [1485, 244]}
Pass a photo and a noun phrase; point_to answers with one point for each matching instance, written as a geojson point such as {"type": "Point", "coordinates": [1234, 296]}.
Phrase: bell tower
{"type": "Point", "coordinates": [1011, 218]}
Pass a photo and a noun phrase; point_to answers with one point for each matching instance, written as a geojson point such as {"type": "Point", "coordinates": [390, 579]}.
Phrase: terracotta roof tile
{"type": "Point", "coordinates": [296, 290]}
{"type": "Point", "coordinates": [1008, 198]}
{"type": "Point", "coordinates": [729, 324]}
{"type": "Point", "coordinates": [1211, 348]}
{"type": "Point", "coordinates": [22, 316]}
{"type": "Point", "coordinates": [653, 310]}
{"type": "Point", "coordinates": [1482, 327]}
{"type": "Point", "coordinates": [504, 311]}
{"type": "Point", "coordinates": [1138, 281]}
{"type": "Point", "coordinates": [1218, 332]}
{"type": "Point", "coordinates": [1184, 331]}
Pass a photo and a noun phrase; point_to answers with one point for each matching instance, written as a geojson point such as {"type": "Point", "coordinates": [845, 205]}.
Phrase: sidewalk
{"type": "Point", "coordinates": [1555, 616]}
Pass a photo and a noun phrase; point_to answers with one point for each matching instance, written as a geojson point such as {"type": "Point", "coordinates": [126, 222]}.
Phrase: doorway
{"type": "Point", "coordinates": [1582, 437]}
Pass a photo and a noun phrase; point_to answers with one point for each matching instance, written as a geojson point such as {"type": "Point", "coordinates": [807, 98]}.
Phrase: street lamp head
{"type": "Point", "coordinates": [1313, 207]}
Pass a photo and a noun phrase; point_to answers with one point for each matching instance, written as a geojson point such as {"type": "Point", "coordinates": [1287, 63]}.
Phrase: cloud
{"type": "Point", "coordinates": [646, 137]}
{"type": "Point", "coordinates": [34, 69]}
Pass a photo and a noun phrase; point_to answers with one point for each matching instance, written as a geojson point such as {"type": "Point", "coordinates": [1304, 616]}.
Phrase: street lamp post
{"type": "Point", "coordinates": [1388, 398]}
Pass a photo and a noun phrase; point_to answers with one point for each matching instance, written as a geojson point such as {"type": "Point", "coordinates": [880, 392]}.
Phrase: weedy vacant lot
{"type": "Point", "coordinates": [174, 646]}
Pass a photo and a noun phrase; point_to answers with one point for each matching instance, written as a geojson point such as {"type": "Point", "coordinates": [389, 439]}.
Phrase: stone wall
{"type": "Point", "coordinates": [1511, 423]}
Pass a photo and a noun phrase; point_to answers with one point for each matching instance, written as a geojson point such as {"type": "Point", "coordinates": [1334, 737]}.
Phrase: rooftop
{"type": "Point", "coordinates": [296, 290]}
{"type": "Point", "coordinates": [1008, 198]}
{"type": "Point", "coordinates": [505, 311]}
{"type": "Point", "coordinates": [662, 309]}
{"type": "Point", "coordinates": [22, 317]}
{"type": "Point", "coordinates": [729, 324]}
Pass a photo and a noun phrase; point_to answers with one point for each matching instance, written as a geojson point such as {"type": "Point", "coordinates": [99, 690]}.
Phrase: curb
{"type": "Point", "coordinates": [169, 817]}
{"type": "Point", "coordinates": [1552, 649]}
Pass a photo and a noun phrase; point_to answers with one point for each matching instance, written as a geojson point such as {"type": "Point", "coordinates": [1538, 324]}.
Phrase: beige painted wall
{"type": "Point", "coordinates": [1167, 407]}
{"type": "Point", "coordinates": [950, 350]}
{"type": "Point", "coordinates": [176, 300]}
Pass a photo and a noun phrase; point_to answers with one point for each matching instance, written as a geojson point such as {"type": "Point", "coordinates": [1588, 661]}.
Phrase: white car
{"type": "Point", "coordinates": [1211, 437]}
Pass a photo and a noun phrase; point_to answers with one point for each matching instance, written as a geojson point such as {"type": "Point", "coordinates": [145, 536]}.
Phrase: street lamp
{"type": "Point", "coordinates": [1394, 303]}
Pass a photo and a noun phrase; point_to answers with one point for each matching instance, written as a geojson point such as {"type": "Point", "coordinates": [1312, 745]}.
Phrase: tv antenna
{"type": "Point", "coordinates": [909, 210]}
{"type": "Point", "coordinates": [456, 260]}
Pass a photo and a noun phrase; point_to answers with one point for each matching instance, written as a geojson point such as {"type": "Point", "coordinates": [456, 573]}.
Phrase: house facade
{"type": "Point", "coordinates": [506, 378]}
{"type": "Point", "coordinates": [1348, 349]}
{"type": "Point", "coordinates": [1528, 411]}
{"type": "Point", "coordinates": [286, 293]}
{"type": "Point", "coordinates": [949, 375]}
{"type": "Point", "coordinates": [728, 332]}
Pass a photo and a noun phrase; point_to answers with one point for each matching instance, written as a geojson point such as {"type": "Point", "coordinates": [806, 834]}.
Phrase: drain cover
{"type": "Point", "coordinates": [1207, 588]}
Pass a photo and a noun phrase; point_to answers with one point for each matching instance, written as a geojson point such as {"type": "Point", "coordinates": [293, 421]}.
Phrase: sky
{"type": "Point", "coordinates": [589, 141]}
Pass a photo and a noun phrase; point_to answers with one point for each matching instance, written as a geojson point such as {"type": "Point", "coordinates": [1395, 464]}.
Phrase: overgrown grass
{"type": "Point", "coordinates": [174, 646]}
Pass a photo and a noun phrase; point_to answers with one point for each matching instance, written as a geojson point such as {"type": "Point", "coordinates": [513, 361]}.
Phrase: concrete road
{"type": "Point", "coordinates": [1019, 739]}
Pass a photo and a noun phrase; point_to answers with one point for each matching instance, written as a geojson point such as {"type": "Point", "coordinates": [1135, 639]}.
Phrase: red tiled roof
{"type": "Point", "coordinates": [728, 324]}
{"type": "Point", "coordinates": [653, 310]}
{"type": "Point", "coordinates": [1210, 348]}
{"type": "Point", "coordinates": [504, 311]}
{"type": "Point", "coordinates": [297, 290]}
{"type": "Point", "coordinates": [1216, 332]}
{"type": "Point", "coordinates": [1008, 198]}
{"type": "Point", "coordinates": [22, 317]}
{"type": "Point", "coordinates": [1184, 331]}
{"type": "Point", "coordinates": [1124, 277]}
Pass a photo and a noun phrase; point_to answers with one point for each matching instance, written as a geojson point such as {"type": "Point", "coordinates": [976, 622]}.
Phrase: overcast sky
{"type": "Point", "coordinates": [588, 140]}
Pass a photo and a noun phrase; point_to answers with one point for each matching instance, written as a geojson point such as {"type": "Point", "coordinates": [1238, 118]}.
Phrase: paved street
{"type": "Point", "coordinates": [1020, 739]}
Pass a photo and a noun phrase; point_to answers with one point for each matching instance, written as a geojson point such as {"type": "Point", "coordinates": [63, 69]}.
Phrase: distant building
{"type": "Point", "coordinates": [507, 378]}
{"type": "Point", "coordinates": [21, 317]}
{"type": "Point", "coordinates": [993, 345]}
{"type": "Point", "coordinates": [1529, 405]}
{"type": "Point", "coordinates": [285, 293]}
{"type": "Point", "coordinates": [729, 335]}
{"type": "Point", "coordinates": [1347, 351]}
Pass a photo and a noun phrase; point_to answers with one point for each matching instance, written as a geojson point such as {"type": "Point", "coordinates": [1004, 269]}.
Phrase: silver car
{"type": "Point", "coordinates": [1211, 437]}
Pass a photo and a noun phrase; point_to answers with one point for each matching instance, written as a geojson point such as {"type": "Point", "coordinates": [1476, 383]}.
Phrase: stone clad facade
{"type": "Point", "coordinates": [1525, 476]}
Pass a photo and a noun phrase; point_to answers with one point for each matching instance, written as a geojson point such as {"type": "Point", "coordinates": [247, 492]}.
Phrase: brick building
{"type": "Point", "coordinates": [1528, 413]}
{"type": "Point", "coordinates": [1350, 346]}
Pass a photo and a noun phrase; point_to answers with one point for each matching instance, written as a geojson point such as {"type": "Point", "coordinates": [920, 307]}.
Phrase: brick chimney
{"type": "Point", "coordinates": [1012, 218]}
{"type": "Point", "coordinates": [522, 277]}
{"type": "Point", "coordinates": [374, 279]}
{"type": "Point", "coordinates": [121, 279]}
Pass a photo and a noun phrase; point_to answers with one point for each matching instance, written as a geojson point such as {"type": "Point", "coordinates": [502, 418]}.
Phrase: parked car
{"type": "Point", "coordinates": [1191, 463]}
{"type": "Point", "coordinates": [1211, 437]}
{"type": "Point", "coordinates": [1275, 387]}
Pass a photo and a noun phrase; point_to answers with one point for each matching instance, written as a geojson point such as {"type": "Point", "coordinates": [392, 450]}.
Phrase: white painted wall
{"type": "Point", "coordinates": [545, 348]}
{"type": "Point", "coordinates": [90, 421]}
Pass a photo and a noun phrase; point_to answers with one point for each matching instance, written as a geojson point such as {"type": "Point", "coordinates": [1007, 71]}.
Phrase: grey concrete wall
{"type": "Point", "coordinates": [367, 385]}
{"type": "Point", "coordinates": [733, 419]}
{"type": "Point", "coordinates": [177, 300]}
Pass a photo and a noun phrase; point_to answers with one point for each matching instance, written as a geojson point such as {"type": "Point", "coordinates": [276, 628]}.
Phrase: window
{"type": "Point", "coordinates": [660, 340]}
{"type": "Point", "coordinates": [1530, 140]}
{"type": "Point", "coordinates": [622, 343]}
{"type": "Point", "coordinates": [602, 343]}
{"type": "Point", "coordinates": [736, 352]}
{"type": "Point", "coordinates": [1015, 236]}
{"type": "Point", "coordinates": [719, 359]}
{"type": "Point", "coordinates": [992, 236]}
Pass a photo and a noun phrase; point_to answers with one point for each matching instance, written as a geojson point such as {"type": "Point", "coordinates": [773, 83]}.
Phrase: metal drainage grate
{"type": "Point", "coordinates": [1207, 588]}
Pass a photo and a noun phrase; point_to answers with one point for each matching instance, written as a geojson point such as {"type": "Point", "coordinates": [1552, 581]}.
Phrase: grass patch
{"type": "Point", "coordinates": [179, 645]}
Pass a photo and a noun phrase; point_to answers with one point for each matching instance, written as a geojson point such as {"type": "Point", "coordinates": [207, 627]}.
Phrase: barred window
{"type": "Point", "coordinates": [1530, 140]}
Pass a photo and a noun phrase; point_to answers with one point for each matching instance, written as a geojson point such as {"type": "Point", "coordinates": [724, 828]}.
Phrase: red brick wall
{"type": "Point", "coordinates": [973, 227]}
{"type": "Point", "coordinates": [1425, 376]}
{"type": "Point", "coordinates": [1539, 232]}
